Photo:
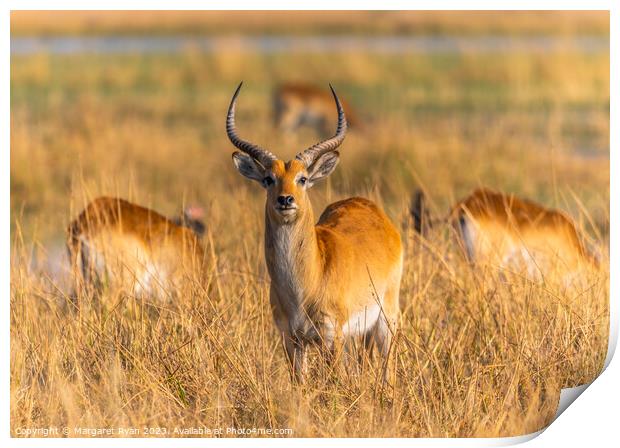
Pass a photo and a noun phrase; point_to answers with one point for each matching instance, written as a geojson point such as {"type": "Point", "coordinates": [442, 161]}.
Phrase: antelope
{"type": "Point", "coordinates": [332, 281]}
{"type": "Point", "coordinates": [127, 244]}
{"type": "Point", "coordinates": [296, 105]}
{"type": "Point", "coordinates": [512, 233]}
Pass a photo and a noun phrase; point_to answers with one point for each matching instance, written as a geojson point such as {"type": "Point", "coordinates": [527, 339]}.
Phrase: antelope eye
{"type": "Point", "coordinates": [268, 181]}
{"type": "Point", "coordinates": [303, 180]}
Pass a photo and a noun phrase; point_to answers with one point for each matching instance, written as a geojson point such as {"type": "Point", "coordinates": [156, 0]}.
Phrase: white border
{"type": "Point", "coordinates": [592, 422]}
{"type": "Point", "coordinates": [313, 5]}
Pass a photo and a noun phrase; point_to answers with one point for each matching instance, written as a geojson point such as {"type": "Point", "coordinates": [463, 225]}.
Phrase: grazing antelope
{"type": "Point", "coordinates": [117, 241]}
{"type": "Point", "coordinates": [336, 279]}
{"type": "Point", "coordinates": [510, 232]}
{"type": "Point", "coordinates": [296, 105]}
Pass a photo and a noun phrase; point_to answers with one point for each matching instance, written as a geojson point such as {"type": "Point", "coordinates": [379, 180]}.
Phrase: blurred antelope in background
{"type": "Point", "coordinates": [336, 279]}
{"type": "Point", "coordinates": [297, 104]}
{"type": "Point", "coordinates": [510, 232]}
{"type": "Point", "coordinates": [115, 241]}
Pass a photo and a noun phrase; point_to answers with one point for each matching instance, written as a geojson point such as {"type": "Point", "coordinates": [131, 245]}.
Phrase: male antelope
{"type": "Point", "coordinates": [514, 233]}
{"type": "Point", "coordinates": [133, 246]}
{"type": "Point", "coordinates": [339, 278]}
{"type": "Point", "coordinates": [296, 105]}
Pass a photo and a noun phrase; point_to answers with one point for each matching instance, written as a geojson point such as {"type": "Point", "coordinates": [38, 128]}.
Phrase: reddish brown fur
{"type": "Point", "coordinates": [326, 278]}
{"type": "Point", "coordinates": [337, 279]}
{"type": "Point", "coordinates": [127, 234]}
{"type": "Point", "coordinates": [505, 223]}
{"type": "Point", "coordinates": [292, 101]}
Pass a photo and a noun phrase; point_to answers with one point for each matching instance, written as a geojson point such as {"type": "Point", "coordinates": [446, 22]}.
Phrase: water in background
{"type": "Point", "coordinates": [317, 44]}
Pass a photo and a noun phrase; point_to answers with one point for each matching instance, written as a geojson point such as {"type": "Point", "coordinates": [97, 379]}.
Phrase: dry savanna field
{"type": "Point", "coordinates": [476, 354]}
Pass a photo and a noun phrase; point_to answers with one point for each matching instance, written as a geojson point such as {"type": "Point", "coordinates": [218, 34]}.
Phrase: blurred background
{"type": "Point", "coordinates": [133, 104]}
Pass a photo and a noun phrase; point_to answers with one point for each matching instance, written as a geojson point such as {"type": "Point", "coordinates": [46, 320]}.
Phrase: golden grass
{"type": "Point", "coordinates": [475, 355]}
{"type": "Point", "coordinates": [309, 22]}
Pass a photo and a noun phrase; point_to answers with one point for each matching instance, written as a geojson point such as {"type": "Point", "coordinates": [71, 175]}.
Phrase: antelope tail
{"type": "Point", "coordinates": [422, 219]}
{"type": "Point", "coordinates": [76, 260]}
{"type": "Point", "coordinates": [73, 243]}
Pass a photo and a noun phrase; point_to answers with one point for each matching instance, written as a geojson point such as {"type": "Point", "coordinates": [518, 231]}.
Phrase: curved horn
{"type": "Point", "coordinates": [256, 152]}
{"type": "Point", "coordinates": [309, 156]}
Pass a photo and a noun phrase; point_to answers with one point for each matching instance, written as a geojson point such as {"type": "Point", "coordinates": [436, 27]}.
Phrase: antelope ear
{"type": "Point", "coordinates": [248, 167]}
{"type": "Point", "coordinates": [323, 166]}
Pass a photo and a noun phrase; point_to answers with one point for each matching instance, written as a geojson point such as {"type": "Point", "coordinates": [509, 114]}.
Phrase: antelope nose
{"type": "Point", "coordinates": [286, 200]}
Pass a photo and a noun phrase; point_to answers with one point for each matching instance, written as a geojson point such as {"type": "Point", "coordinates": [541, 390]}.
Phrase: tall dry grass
{"type": "Point", "coordinates": [475, 355]}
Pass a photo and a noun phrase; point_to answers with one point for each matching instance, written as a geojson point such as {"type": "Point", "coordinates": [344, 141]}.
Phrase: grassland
{"type": "Point", "coordinates": [309, 22]}
{"type": "Point", "coordinates": [475, 356]}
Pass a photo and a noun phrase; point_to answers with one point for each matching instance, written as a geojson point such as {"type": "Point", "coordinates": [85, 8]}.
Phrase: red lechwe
{"type": "Point", "coordinates": [513, 234]}
{"type": "Point", "coordinates": [299, 104]}
{"type": "Point", "coordinates": [113, 241]}
{"type": "Point", "coordinates": [331, 280]}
